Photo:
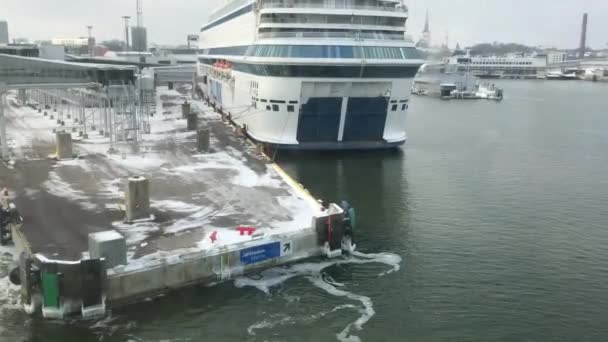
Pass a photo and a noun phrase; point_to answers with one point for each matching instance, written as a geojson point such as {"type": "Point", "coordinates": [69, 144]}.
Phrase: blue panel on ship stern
{"type": "Point", "coordinates": [365, 118]}
{"type": "Point", "coordinates": [319, 120]}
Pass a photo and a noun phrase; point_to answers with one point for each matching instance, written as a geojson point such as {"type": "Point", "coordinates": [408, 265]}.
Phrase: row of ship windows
{"type": "Point", "coordinates": [324, 71]}
{"type": "Point", "coordinates": [502, 63]}
{"type": "Point", "coordinates": [319, 51]}
{"type": "Point", "coordinates": [275, 105]}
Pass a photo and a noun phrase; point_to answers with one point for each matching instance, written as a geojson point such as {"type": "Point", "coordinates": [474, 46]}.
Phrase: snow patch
{"type": "Point", "coordinates": [58, 187]}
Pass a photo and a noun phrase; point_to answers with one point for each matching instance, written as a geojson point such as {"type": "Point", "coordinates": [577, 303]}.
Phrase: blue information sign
{"type": "Point", "coordinates": [253, 255]}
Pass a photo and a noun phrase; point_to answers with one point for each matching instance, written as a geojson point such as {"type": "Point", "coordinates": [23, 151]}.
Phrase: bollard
{"type": "Point", "coordinates": [137, 197]}
{"type": "Point", "coordinates": [202, 140]}
{"type": "Point", "coordinates": [64, 145]}
{"type": "Point", "coordinates": [186, 107]}
{"type": "Point", "coordinates": [192, 121]}
{"type": "Point", "coordinates": [259, 149]}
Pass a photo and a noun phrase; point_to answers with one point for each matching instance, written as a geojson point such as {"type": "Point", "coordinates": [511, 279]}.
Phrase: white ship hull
{"type": "Point", "coordinates": [301, 101]}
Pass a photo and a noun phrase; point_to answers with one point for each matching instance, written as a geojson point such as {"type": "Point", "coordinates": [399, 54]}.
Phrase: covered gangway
{"type": "Point", "coordinates": [18, 72]}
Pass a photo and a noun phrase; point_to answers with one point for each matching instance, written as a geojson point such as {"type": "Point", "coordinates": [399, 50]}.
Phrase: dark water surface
{"type": "Point", "coordinates": [499, 212]}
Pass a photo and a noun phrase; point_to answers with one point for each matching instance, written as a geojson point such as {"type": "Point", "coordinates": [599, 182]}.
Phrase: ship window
{"type": "Point", "coordinates": [310, 51]}
{"type": "Point", "coordinates": [410, 52]}
{"type": "Point", "coordinates": [263, 100]}
{"type": "Point", "coordinates": [404, 106]}
{"type": "Point", "coordinates": [345, 52]}
{"type": "Point", "coordinates": [394, 108]}
{"type": "Point", "coordinates": [275, 107]}
{"type": "Point", "coordinates": [382, 52]}
{"type": "Point", "coordinates": [291, 108]}
{"type": "Point", "coordinates": [268, 108]}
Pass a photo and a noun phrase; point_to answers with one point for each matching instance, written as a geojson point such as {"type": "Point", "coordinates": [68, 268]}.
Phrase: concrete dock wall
{"type": "Point", "coordinates": [124, 286]}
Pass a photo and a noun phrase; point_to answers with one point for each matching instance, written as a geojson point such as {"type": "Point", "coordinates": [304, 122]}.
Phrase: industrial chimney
{"type": "Point", "coordinates": [583, 45]}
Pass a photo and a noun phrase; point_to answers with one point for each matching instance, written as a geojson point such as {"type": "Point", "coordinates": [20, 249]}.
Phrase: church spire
{"type": "Point", "coordinates": [426, 23]}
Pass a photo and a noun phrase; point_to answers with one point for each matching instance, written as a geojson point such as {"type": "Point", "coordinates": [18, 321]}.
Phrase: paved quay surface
{"type": "Point", "coordinates": [192, 195]}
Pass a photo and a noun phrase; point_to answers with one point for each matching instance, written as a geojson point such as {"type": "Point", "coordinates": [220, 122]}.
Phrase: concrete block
{"type": "Point", "coordinates": [137, 197]}
{"type": "Point", "coordinates": [202, 140]}
{"type": "Point", "coordinates": [64, 145]}
{"type": "Point", "coordinates": [110, 245]}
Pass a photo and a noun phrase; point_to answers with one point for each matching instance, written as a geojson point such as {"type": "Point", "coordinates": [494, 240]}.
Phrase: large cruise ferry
{"type": "Point", "coordinates": [311, 74]}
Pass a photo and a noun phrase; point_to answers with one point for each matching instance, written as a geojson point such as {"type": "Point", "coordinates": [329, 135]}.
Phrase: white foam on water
{"type": "Point", "coordinates": [367, 312]}
{"type": "Point", "coordinates": [313, 272]}
{"type": "Point", "coordinates": [267, 324]}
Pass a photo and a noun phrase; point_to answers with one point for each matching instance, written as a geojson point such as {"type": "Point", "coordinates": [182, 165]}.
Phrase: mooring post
{"type": "Point", "coordinates": [137, 197]}
{"type": "Point", "coordinates": [202, 140]}
{"type": "Point", "coordinates": [64, 145]}
{"type": "Point", "coordinates": [192, 121]}
{"type": "Point", "coordinates": [186, 107]}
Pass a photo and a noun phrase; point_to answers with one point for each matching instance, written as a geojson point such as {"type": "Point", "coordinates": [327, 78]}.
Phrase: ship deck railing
{"type": "Point", "coordinates": [331, 5]}
{"type": "Point", "coordinates": [347, 35]}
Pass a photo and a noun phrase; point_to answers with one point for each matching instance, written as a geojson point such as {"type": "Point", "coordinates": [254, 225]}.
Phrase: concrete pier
{"type": "Point", "coordinates": [64, 145]}
{"type": "Point", "coordinates": [137, 199]}
{"type": "Point", "coordinates": [96, 237]}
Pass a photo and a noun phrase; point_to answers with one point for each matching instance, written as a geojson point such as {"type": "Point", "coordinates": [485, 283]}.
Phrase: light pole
{"type": "Point", "coordinates": [126, 18]}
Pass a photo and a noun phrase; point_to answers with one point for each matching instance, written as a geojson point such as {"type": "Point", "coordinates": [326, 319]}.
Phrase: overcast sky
{"type": "Point", "coordinates": [533, 22]}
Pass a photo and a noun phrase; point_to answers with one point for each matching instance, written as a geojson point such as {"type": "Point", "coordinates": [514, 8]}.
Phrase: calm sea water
{"type": "Point", "coordinates": [499, 212]}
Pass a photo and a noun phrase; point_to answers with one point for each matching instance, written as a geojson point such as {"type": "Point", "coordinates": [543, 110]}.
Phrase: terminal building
{"type": "Point", "coordinates": [501, 67]}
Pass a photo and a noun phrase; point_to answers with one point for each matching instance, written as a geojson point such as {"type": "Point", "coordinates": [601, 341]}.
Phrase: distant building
{"type": "Point", "coordinates": [73, 46]}
{"type": "Point", "coordinates": [55, 52]}
{"type": "Point", "coordinates": [556, 57]}
{"type": "Point", "coordinates": [139, 39]}
{"type": "Point", "coordinates": [70, 42]}
{"type": "Point", "coordinates": [24, 50]}
{"type": "Point", "coordinates": [425, 41]}
{"type": "Point", "coordinates": [501, 67]}
{"type": "Point", "coordinates": [4, 39]}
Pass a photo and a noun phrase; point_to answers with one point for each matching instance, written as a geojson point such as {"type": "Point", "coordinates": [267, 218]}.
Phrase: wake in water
{"type": "Point", "coordinates": [313, 272]}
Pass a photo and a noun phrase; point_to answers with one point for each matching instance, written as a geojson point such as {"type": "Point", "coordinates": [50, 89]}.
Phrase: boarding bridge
{"type": "Point", "coordinates": [179, 74]}
{"type": "Point", "coordinates": [23, 73]}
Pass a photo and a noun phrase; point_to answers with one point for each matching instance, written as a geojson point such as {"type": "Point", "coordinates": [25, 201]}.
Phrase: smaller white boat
{"type": "Point", "coordinates": [489, 92]}
{"type": "Point", "coordinates": [558, 75]}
